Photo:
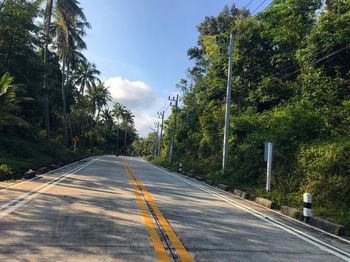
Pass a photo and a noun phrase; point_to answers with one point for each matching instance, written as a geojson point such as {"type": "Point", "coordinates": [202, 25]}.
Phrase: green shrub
{"type": "Point", "coordinates": [326, 168]}
{"type": "Point", "coordinates": [5, 172]}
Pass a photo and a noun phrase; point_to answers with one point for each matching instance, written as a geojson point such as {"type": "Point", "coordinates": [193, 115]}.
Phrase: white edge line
{"type": "Point", "coordinates": [37, 188]}
{"type": "Point", "coordinates": [41, 175]}
{"type": "Point", "coordinates": [281, 225]}
{"type": "Point", "coordinates": [41, 189]}
{"type": "Point", "coordinates": [256, 204]}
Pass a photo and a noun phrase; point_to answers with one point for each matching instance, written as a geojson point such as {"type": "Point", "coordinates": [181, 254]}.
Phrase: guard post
{"type": "Point", "coordinates": [307, 212]}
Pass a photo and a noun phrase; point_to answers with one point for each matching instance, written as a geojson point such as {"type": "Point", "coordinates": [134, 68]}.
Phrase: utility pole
{"type": "Point", "coordinates": [228, 103]}
{"type": "Point", "coordinates": [156, 124]}
{"type": "Point", "coordinates": [171, 149]}
{"type": "Point", "coordinates": [161, 116]}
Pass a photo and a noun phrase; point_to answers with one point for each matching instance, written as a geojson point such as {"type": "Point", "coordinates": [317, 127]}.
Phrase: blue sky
{"type": "Point", "coordinates": [140, 47]}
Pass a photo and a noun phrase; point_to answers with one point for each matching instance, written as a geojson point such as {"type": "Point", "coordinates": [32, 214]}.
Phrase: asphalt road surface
{"type": "Point", "coordinates": [124, 209]}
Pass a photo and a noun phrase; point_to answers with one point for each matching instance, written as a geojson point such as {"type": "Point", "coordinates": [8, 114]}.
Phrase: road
{"type": "Point", "coordinates": [124, 209]}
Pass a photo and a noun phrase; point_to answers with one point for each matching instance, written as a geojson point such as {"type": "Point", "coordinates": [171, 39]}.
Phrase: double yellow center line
{"type": "Point", "coordinates": [157, 243]}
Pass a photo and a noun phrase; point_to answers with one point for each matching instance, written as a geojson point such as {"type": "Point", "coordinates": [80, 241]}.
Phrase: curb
{"type": "Point", "coordinates": [265, 202]}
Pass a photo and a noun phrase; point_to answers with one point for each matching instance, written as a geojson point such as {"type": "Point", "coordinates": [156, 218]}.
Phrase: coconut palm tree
{"type": "Point", "coordinates": [107, 116]}
{"type": "Point", "coordinates": [119, 111]}
{"type": "Point", "coordinates": [47, 23]}
{"type": "Point", "coordinates": [69, 28]}
{"type": "Point", "coordinates": [98, 96]}
{"type": "Point", "coordinates": [72, 8]}
{"type": "Point", "coordinates": [128, 119]}
{"type": "Point", "coordinates": [85, 75]}
{"type": "Point", "coordinates": [9, 103]}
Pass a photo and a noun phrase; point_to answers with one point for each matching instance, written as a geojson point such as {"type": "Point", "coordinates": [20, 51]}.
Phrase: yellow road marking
{"type": "Point", "coordinates": [157, 243]}
{"type": "Point", "coordinates": [180, 249]}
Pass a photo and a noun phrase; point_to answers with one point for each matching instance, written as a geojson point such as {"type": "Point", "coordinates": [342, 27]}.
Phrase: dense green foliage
{"type": "Point", "coordinates": [52, 104]}
{"type": "Point", "coordinates": [291, 86]}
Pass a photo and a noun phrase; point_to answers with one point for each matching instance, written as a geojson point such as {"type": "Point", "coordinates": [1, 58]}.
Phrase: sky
{"type": "Point", "coordinates": [140, 47]}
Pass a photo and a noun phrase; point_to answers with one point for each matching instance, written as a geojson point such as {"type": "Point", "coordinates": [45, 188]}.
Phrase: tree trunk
{"type": "Point", "coordinates": [126, 133]}
{"type": "Point", "coordinates": [92, 130]}
{"type": "Point", "coordinates": [64, 103]}
{"type": "Point", "coordinates": [47, 24]}
{"type": "Point", "coordinates": [82, 89]}
{"type": "Point", "coordinates": [116, 151]}
{"type": "Point", "coordinates": [92, 135]}
{"type": "Point", "coordinates": [70, 134]}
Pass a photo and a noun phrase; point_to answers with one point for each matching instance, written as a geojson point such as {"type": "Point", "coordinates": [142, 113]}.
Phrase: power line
{"type": "Point", "coordinates": [251, 1]}
{"type": "Point", "coordinates": [319, 60]}
{"type": "Point", "coordinates": [245, 27]}
{"type": "Point", "coordinates": [313, 63]}
{"type": "Point", "coordinates": [263, 2]}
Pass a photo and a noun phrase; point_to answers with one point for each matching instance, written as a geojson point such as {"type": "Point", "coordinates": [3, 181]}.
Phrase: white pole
{"type": "Point", "coordinates": [269, 166]}
{"type": "Point", "coordinates": [228, 103]}
{"type": "Point", "coordinates": [307, 211]}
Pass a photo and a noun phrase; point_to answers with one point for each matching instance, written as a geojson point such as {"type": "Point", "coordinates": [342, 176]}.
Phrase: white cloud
{"type": "Point", "coordinates": [138, 97]}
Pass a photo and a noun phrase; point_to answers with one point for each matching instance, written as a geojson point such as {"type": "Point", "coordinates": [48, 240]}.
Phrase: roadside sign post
{"type": "Point", "coordinates": [75, 140]}
{"type": "Point", "coordinates": [268, 148]}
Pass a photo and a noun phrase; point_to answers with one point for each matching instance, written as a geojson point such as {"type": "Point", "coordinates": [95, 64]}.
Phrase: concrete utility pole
{"type": "Point", "coordinates": [228, 103]}
{"type": "Point", "coordinates": [171, 149]}
{"type": "Point", "coordinates": [160, 116]}
{"type": "Point", "coordinates": [156, 124]}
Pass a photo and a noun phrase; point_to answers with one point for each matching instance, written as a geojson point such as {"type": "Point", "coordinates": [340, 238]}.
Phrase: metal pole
{"type": "Point", "coordinates": [269, 165]}
{"type": "Point", "coordinates": [228, 103]}
{"type": "Point", "coordinates": [171, 150]}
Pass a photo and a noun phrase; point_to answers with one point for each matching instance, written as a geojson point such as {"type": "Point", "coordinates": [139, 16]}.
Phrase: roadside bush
{"type": "Point", "coordinates": [5, 172]}
{"type": "Point", "coordinates": [326, 168]}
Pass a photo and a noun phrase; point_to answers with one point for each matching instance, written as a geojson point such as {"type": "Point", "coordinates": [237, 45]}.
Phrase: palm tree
{"type": "Point", "coordinates": [9, 103]}
{"type": "Point", "coordinates": [119, 111]}
{"type": "Point", "coordinates": [72, 7]}
{"type": "Point", "coordinates": [107, 116]}
{"type": "Point", "coordinates": [85, 75]}
{"type": "Point", "coordinates": [128, 119]}
{"type": "Point", "coordinates": [47, 23]}
{"type": "Point", "coordinates": [98, 96]}
{"type": "Point", "coordinates": [70, 23]}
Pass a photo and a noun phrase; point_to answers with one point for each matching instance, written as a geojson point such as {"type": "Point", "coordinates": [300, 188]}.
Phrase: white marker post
{"type": "Point", "coordinates": [307, 212]}
{"type": "Point", "coordinates": [269, 166]}
{"type": "Point", "coordinates": [180, 167]}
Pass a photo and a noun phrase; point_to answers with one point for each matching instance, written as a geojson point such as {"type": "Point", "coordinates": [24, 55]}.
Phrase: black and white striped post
{"type": "Point", "coordinates": [307, 212]}
{"type": "Point", "coordinates": [180, 167]}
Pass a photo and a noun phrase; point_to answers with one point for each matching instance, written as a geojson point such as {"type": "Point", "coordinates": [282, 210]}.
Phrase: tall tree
{"type": "Point", "coordinates": [128, 119]}
{"type": "Point", "coordinates": [47, 23]}
{"type": "Point", "coordinates": [70, 24]}
{"type": "Point", "coordinates": [98, 97]}
{"type": "Point", "coordinates": [85, 75]}
{"type": "Point", "coordinates": [119, 111]}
